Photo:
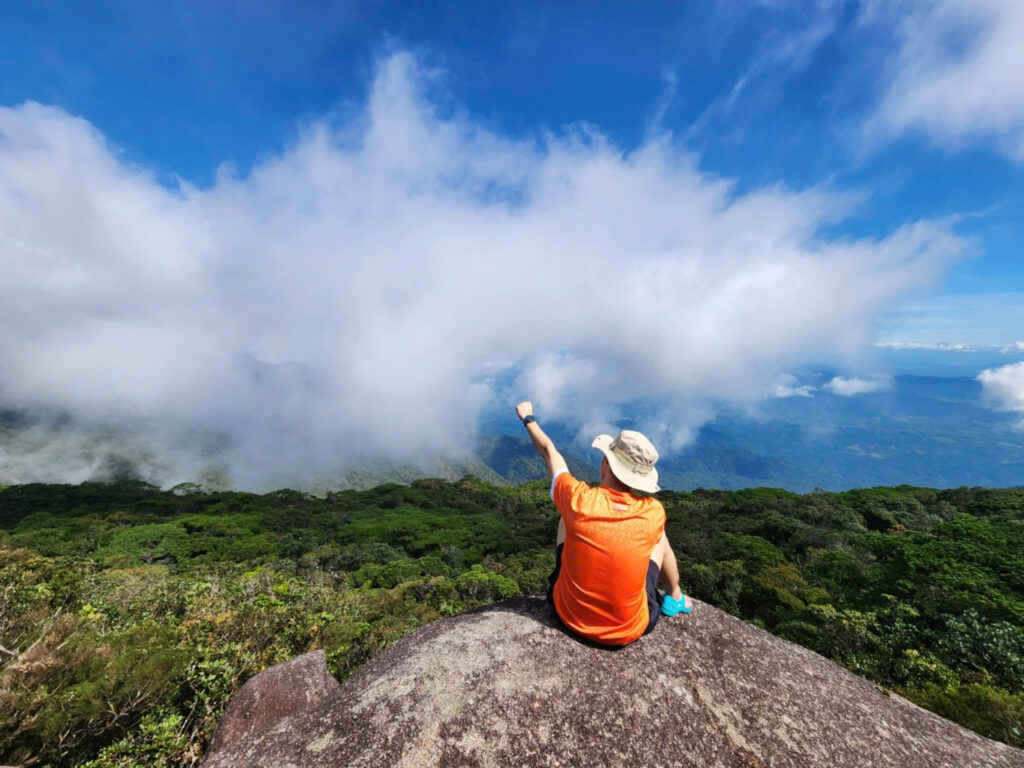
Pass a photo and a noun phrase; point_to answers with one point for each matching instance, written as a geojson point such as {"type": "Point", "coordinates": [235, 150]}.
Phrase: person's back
{"type": "Point", "coordinates": [611, 550]}
{"type": "Point", "coordinates": [609, 535]}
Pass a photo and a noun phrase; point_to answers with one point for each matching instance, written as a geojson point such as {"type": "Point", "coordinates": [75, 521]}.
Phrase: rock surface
{"type": "Point", "coordinates": [273, 695]}
{"type": "Point", "coordinates": [505, 686]}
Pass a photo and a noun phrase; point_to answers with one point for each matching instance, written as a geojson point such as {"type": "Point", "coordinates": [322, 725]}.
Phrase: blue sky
{"type": "Point", "coordinates": [781, 184]}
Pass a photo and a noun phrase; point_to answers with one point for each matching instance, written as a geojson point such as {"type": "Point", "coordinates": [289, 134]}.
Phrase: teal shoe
{"type": "Point", "coordinates": [670, 606]}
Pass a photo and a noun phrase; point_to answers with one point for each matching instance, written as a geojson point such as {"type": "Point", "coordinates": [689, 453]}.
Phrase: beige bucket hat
{"type": "Point", "coordinates": [631, 457]}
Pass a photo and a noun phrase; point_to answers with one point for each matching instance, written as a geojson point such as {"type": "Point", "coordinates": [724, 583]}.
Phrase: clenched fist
{"type": "Point", "coordinates": [524, 409]}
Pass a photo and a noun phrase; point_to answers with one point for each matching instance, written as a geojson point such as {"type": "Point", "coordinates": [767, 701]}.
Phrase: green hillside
{"type": "Point", "coordinates": [130, 615]}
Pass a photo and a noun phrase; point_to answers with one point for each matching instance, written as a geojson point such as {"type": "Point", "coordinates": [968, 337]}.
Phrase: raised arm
{"type": "Point", "coordinates": [541, 442]}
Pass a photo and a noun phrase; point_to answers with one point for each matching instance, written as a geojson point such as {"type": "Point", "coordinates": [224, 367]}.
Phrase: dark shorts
{"type": "Point", "coordinates": [651, 588]}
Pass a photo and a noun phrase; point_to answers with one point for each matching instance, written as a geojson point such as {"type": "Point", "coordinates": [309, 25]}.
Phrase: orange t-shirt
{"type": "Point", "coordinates": [600, 592]}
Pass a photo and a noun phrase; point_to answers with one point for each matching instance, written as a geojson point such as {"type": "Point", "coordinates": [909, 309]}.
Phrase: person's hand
{"type": "Point", "coordinates": [524, 409]}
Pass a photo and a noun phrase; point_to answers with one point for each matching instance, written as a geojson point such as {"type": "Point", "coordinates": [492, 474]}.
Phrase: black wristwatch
{"type": "Point", "coordinates": [529, 420]}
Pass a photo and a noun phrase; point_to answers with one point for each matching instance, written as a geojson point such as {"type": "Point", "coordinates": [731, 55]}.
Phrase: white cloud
{"type": "Point", "coordinates": [368, 292]}
{"type": "Point", "coordinates": [786, 386]}
{"type": "Point", "coordinates": [1004, 389]}
{"type": "Point", "coordinates": [847, 387]}
{"type": "Point", "coordinates": [791, 36]}
{"type": "Point", "coordinates": [958, 71]}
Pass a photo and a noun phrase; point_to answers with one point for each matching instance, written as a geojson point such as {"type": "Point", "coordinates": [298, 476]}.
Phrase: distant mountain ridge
{"type": "Point", "coordinates": [923, 430]}
{"type": "Point", "coordinates": [926, 431]}
{"type": "Point", "coordinates": [111, 454]}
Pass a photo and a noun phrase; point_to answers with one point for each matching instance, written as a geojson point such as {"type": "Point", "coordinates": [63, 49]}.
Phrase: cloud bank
{"type": "Point", "coordinates": [1004, 388]}
{"type": "Point", "coordinates": [371, 290]}
{"type": "Point", "coordinates": [956, 73]}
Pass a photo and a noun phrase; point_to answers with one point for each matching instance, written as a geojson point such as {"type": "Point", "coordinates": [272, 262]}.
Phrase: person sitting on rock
{"type": "Point", "coordinates": [611, 550]}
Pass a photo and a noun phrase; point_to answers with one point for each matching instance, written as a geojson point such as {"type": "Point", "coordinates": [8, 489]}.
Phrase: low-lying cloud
{"type": "Point", "coordinates": [787, 385]}
{"type": "Point", "coordinates": [371, 290]}
{"type": "Point", "coordinates": [1004, 389]}
{"type": "Point", "coordinates": [848, 387]}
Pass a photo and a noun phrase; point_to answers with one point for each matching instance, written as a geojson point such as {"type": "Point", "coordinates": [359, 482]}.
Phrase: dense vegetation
{"type": "Point", "coordinates": [129, 615]}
